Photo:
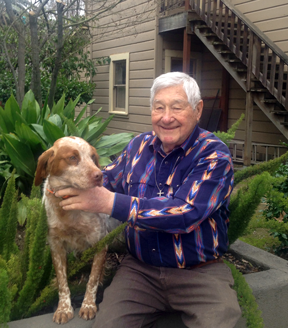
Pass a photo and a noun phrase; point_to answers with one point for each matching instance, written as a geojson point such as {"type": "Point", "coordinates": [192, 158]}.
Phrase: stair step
{"type": "Point", "coordinates": [269, 101]}
{"type": "Point", "coordinates": [207, 35]}
{"type": "Point", "coordinates": [284, 123]}
{"type": "Point", "coordinates": [225, 52]}
{"type": "Point", "coordinates": [241, 70]}
{"type": "Point", "coordinates": [279, 112]}
{"type": "Point", "coordinates": [203, 27]}
{"type": "Point", "coordinates": [233, 61]}
{"type": "Point", "coordinates": [259, 90]}
{"type": "Point", "coordinates": [218, 43]}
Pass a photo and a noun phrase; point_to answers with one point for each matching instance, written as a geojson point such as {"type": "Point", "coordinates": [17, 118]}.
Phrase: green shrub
{"type": "Point", "coordinates": [277, 209]}
{"type": "Point", "coordinates": [246, 300]}
{"type": "Point", "coordinates": [5, 298]}
{"type": "Point", "coordinates": [27, 132]}
{"type": "Point", "coordinates": [244, 203]}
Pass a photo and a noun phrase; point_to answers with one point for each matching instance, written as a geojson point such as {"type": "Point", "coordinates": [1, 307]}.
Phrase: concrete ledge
{"type": "Point", "coordinates": [46, 321]}
{"type": "Point", "coordinates": [270, 287]}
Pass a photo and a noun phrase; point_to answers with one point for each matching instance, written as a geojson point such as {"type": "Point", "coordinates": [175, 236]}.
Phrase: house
{"type": "Point", "coordinates": [236, 50]}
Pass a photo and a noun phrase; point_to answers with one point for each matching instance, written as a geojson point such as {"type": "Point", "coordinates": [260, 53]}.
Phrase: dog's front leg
{"type": "Point", "coordinates": [88, 309]}
{"type": "Point", "coordinates": [65, 311]}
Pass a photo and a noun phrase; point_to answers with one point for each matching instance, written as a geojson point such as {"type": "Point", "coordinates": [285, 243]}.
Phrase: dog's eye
{"type": "Point", "coordinates": [73, 158]}
{"type": "Point", "coordinates": [94, 159]}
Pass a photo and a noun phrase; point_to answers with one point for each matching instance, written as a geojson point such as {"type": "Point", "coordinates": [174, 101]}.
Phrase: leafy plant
{"type": "Point", "coordinates": [246, 300]}
{"type": "Point", "coordinates": [277, 208]}
{"type": "Point", "coordinates": [27, 132]}
{"type": "Point", "coordinates": [244, 203]}
{"type": "Point", "coordinates": [226, 137]}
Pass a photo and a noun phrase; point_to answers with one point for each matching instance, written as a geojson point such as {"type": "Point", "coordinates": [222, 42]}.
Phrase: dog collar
{"type": "Point", "coordinates": [53, 192]}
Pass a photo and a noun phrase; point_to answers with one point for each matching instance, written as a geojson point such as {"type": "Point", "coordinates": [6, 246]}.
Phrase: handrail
{"type": "Point", "coordinates": [257, 31]}
{"type": "Point", "coordinates": [249, 44]}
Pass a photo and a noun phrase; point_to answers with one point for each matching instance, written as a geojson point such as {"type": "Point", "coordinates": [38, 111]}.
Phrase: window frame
{"type": "Point", "coordinates": [112, 100]}
{"type": "Point", "coordinates": [197, 56]}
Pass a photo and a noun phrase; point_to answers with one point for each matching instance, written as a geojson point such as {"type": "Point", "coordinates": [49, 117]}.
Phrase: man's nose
{"type": "Point", "coordinates": [167, 115]}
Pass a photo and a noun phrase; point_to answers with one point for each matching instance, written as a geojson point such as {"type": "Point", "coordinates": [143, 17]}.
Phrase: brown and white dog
{"type": "Point", "coordinates": [72, 162]}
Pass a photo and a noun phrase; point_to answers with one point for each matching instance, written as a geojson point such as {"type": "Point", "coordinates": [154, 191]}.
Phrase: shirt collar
{"type": "Point", "coordinates": [156, 143]}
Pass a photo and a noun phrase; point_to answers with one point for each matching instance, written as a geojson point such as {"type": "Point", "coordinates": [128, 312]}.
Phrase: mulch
{"type": "Point", "coordinates": [241, 264]}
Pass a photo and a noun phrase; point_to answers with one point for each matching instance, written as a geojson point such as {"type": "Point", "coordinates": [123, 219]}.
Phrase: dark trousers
{"type": "Point", "coordinates": [139, 294]}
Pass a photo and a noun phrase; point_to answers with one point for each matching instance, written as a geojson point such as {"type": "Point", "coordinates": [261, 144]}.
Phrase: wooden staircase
{"type": "Point", "coordinates": [255, 62]}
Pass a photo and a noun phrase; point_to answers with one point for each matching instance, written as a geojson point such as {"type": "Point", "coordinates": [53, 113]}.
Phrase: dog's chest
{"type": "Point", "coordinates": [77, 230]}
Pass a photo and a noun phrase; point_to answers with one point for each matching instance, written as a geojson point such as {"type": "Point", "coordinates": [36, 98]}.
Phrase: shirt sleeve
{"type": "Point", "coordinates": [205, 189]}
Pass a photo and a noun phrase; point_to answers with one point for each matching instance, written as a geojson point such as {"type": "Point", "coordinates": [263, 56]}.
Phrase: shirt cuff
{"type": "Point", "coordinates": [125, 208]}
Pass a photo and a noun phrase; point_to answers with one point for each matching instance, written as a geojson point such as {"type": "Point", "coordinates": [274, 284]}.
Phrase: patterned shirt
{"type": "Point", "coordinates": [176, 205]}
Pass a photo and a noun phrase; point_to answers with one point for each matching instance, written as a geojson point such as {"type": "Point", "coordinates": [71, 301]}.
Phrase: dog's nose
{"type": "Point", "coordinates": [97, 176]}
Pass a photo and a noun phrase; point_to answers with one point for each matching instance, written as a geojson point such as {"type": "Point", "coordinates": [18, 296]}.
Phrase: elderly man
{"type": "Point", "coordinates": [172, 186]}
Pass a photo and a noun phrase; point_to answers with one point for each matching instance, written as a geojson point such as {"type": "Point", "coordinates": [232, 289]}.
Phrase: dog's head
{"type": "Point", "coordinates": [70, 162]}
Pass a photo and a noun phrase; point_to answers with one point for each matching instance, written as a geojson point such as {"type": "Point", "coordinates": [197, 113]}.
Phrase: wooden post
{"type": "Point", "coordinates": [249, 107]}
{"type": "Point", "coordinates": [186, 51]}
{"type": "Point", "coordinates": [224, 103]}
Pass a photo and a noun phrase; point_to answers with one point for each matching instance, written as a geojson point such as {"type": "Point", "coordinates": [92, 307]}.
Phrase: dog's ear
{"type": "Point", "coordinates": [95, 156]}
{"type": "Point", "coordinates": [42, 166]}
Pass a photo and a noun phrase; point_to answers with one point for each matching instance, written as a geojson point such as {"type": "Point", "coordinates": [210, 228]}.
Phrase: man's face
{"type": "Point", "coordinates": [173, 118]}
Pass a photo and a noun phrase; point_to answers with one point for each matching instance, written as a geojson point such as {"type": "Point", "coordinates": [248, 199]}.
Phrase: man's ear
{"type": "Point", "coordinates": [199, 109]}
{"type": "Point", "coordinates": [42, 166]}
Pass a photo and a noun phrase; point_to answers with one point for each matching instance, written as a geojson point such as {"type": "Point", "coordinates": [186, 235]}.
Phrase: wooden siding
{"type": "Point", "coordinates": [271, 17]}
{"type": "Point", "coordinates": [131, 28]}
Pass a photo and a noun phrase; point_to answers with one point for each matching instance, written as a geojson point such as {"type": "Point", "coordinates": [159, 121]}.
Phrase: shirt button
{"type": "Point", "coordinates": [160, 184]}
{"type": "Point", "coordinates": [153, 250]}
{"type": "Point", "coordinates": [166, 163]}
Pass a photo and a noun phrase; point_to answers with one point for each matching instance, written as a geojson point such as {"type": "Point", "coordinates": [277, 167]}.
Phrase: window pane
{"type": "Point", "coordinates": [120, 97]}
{"type": "Point", "coordinates": [120, 72]}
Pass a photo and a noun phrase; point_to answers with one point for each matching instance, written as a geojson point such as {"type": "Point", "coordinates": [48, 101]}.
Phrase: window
{"type": "Point", "coordinates": [119, 84]}
{"type": "Point", "coordinates": [173, 62]}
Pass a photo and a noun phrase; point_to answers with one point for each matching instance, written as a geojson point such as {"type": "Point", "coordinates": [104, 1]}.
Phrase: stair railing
{"type": "Point", "coordinates": [269, 63]}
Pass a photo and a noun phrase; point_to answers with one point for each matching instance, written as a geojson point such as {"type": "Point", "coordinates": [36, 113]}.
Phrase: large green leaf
{"type": "Point", "coordinates": [111, 140]}
{"type": "Point", "coordinates": [12, 111]}
{"type": "Point", "coordinates": [103, 161]}
{"type": "Point", "coordinates": [112, 150]}
{"type": "Point", "coordinates": [12, 105]}
{"type": "Point", "coordinates": [52, 131]}
{"type": "Point", "coordinates": [56, 119]}
{"type": "Point", "coordinates": [5, 124]}
{"type": "Point", "coordinates": [20, 154]}
{"type": "Point", "coordinates": [40, 131]}
{"type": "Point", "coordinates": [69, 110]}
{"type": "Point", "coordinates": [72, 128]}
{"type": "Point", "coordinates": [96, 132]}
{"type": "Point", "coordinates": [83, 125]}
{"type": "Point", "coordinates": [30, 108]}
{"type": "Point", "coordinates": [78, 118]}
{"type": "Point", "coordinates": [59, 107]}
{"type": "Point", "coordinates": [28, 136]}
{"type": "Point", "coordinates": [44, 112]}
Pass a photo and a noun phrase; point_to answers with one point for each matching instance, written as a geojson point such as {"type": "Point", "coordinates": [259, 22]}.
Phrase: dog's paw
{"type": "Point", "coordinates": [87, 311]}
{"type": "Point", "coordinates": [62, 316]}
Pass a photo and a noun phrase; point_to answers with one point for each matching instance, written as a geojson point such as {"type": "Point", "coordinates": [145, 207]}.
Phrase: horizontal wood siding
{"type": "Point", "coordinates": [130, 27]}
{"type": "Point", "coordinates": [271, 17]}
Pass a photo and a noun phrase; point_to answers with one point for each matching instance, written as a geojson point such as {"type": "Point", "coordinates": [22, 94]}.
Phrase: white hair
{"type": "Point", "coordinates": [170, 79]}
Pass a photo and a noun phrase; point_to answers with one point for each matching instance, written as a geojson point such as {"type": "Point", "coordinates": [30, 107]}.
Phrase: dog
{"type": "Point", "coordinates": [72, 162]}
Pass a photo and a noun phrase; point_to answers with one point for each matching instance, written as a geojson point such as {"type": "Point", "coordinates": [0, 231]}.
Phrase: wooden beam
{"type": "Point", "coordinates": [249, 106]}
{"type": "Point", "coordinates": [224, 101]}
{"type": "Point", "coordinates": [186, 51]}
{"type": "Point", "coordinates": [248, 128]}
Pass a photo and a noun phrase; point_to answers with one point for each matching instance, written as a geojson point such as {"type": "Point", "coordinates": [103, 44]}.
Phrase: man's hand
{"type": "Point", "coordinates": [94, 200]}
